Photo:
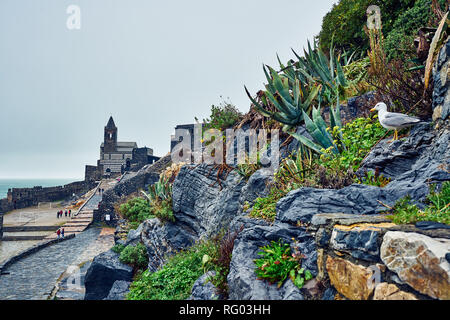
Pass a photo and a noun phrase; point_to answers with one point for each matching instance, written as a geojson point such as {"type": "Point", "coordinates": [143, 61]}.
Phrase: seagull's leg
{"type": "Point", "coordinates": [393, 137]}
{"type": "Point", "coordinates": [396, 134]}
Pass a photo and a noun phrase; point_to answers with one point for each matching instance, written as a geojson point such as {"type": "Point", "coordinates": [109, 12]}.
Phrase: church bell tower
{"type": "Point", "coordinates": [110, 136]}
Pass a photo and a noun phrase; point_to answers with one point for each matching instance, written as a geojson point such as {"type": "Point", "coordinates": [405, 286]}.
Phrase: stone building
{"type": "Point", "coordinates": [117, 157]}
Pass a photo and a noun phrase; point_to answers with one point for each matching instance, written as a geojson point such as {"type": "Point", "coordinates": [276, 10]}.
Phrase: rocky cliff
{"type": "Point", "coordinates": [352, 251]}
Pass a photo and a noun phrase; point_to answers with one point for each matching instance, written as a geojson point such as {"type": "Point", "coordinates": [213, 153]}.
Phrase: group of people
{"type": "Point", "coordinates": [60, 213]}
{"type": "Point", "coordinates": [60, 233]}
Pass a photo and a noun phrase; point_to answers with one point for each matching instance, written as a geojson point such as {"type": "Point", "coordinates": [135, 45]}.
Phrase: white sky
{"type": "Point", "coordinates": [149, 64]}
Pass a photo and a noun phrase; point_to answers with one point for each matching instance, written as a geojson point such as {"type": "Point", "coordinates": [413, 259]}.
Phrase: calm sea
{"type": "Point", "coordinates": [5, 184]}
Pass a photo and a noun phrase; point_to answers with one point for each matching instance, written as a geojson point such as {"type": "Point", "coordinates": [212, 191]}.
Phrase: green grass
{"type": "Point", "coordinates": [175, 279]}
{"type": "Point", "coordinates": [438, 209]}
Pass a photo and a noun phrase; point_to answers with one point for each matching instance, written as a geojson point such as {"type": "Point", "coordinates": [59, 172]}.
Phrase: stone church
{"type": "Point", "coordinates": [118, 157]}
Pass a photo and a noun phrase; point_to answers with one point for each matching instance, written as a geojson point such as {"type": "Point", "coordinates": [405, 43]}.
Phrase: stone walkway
{"type": "Point", "coordinates": [34, 277]}
{"type": "Point", "coordinates": [71, 283]}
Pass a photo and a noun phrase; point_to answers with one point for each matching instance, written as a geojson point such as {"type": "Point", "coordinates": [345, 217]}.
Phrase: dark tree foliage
{"type": "Point", "coordinates": [347, 19]}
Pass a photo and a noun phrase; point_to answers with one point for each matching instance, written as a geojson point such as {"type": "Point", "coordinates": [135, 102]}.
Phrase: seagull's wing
{"type": "Point", "coordinates": [397, 120]}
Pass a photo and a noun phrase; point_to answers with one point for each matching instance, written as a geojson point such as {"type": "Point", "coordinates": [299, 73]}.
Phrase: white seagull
{"type": "Point", "coordinates": [393, 120]}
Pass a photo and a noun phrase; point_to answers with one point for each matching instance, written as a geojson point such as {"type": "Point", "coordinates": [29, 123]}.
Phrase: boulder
{"type": "Point", "coordinates": [203, 289]}
{"type": "Point", "coordinates": [361, 241]}
{"type": "Point", "coordinates": [441, 79]}
{"type": "Point", "coordinates": [302, 204]}
{"type": "Point", "coordinates": [203, 205]}
{"type": "Point", "coordinates": [119, 290]}
{"type": "Point", "coordinates": [388, 291]}
{"type": "Point", "coordinates": [419, 261]}
{"type": "Point", "coordinates": [134, 236]}
{"type": "Point", "coordinates": [258, 185]}
{"type": "Point", "coordinates": [351, 280]}
{"type": "Point", "coordinates": [242, 281]}
{"type": "Point", "coordinates": [204, 202]}
{"type": "Point", "coordinates": [103, 272]}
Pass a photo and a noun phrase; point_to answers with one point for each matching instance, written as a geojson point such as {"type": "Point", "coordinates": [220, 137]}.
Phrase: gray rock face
{"type": "Point", "coordinates": [257, 186]}
{"type": "Point", "coordinates": [119, 290]}
{"type": "Point", "coordinates": [242, 281]}
{"type": "Point", "coordinates": [202, 207]}
{"type": "Point", "coordinates": [103, 272]}
{"type": "Point", "coordinates": [134, 236]}
{"type": "Point", "coordinates": [203, 289]}
{"type": "Point", "coordinates": [441, 78]}
{"type": "Point", "coordinates": [201, 203]}
{"type": "Point", "coordinates": [304, 203]}
{"type": "Point", "coordinates": [411, 164]}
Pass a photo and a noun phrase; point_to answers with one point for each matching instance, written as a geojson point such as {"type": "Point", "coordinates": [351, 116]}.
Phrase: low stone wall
{"type": "Point", "coordinates": [30, 228]}
{"type": "Point", "coordinates": [32, 250]}
{"type": "Point", "coordinates": [369, 258]}
{"type": "Point", "coordinates": [19, 198]}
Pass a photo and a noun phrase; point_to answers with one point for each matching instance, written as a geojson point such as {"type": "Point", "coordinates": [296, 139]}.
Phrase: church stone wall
{"type": "Point", "coordinates": [19, 198]}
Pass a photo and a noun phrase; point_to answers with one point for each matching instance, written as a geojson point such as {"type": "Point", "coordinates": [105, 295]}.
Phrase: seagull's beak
{"type": "Point", "coordinates": [373, 110]}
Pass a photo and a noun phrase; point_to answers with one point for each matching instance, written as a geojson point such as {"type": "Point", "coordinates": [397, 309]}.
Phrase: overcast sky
{"type": "Point", "coordinates": [149, 64]}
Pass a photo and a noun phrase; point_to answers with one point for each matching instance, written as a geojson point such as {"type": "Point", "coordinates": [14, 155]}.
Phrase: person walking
{"type": "Point", "coordinates": [62, 232]}
{"type": "Point", "coordinates": [65, 213]}
{"type": "Point", "coordinates": [70, 212]}
{"type": "Point", "coordinates": [57, 215]}
{"type": "Point", "coordinates": [58, 233]}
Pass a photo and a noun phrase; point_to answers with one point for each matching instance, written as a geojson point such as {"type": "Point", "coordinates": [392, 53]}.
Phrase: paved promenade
{"type": "Point", "coordinates": [35, 276]}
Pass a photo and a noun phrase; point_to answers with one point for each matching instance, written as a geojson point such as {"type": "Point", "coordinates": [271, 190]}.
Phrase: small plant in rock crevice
{"type": "Point", "coordinates": [159, 197]}
{"type": "Point", "coordinates": [278, 262]}
{"type": "Point", "coordinates": [223, 116]}
{"type": "Point", "coordinates": [438, 209]}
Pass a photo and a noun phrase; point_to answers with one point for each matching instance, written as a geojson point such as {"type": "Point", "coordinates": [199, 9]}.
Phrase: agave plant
{"type": "Point", "coordinates": [289, 96]}
{"type": "Point", "coordinates": [316, 67]}
{"type": "Point", "coordinates": [320, 131]}
{"type": "Point", "coordinates": [160, 191]}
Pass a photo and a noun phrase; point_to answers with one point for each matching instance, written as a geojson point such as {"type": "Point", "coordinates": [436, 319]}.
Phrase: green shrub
{"type": "Point", "coordinates": [357, 139]}
{"type": "Point", "coordinates": [135, 256]}
{"type": "Point", "coordinates": [163, 210]}
{"type": "Point", "coordinates": [159, 198]}
{"type": "Point", "coordinates": [400, 21]}
{"type": "Point", "coordinates": [347, 19]}
{"type": "Point", "coordinates": [277, 263]}
{"type": "Point", "coordinates": [175, 279]}
{"type": "Point", "coordinates": [223, 116]}
{"type": "Point", "coordinates": [136, 210]}
{"type": "Point", "coordinates": [438, 209]}
{"type": "Point", "coordinates": [399, 43]}
{"type": "Point", "coordinates": [118, 248]}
